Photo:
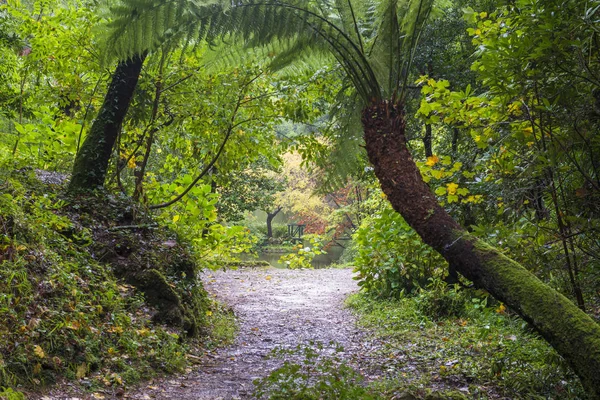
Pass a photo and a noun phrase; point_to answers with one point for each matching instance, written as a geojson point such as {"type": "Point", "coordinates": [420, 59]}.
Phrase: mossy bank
{"type": "Point", "coordinates": [91, 289]}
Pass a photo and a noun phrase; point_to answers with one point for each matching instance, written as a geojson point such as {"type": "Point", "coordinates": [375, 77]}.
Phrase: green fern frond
{"type": "Point", "coordinates": [372, 40]}
{"type": "Point", "coordinates": [140, 26]}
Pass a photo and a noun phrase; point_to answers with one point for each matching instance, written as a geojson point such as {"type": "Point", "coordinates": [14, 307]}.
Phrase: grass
{"type": "Point", "coordinates": [222, 326]}
{"type": "Point", "coordinates": [462, 342]}
{"type": "Point", "coordinates": [65, 315]}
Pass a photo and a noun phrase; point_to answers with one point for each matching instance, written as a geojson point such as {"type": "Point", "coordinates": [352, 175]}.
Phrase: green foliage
{"type": "Point", "coordinates": [259, 228]}
{"type": "Point", "coordinates": [373, 42]}
{"type": "Point", "coordinates": [64, 314]}
{"type": "Point", "coordinates": [249, 190]}
{"type": "Point", "coordinates": [531, 123]}
{"type": "Point", "coordinates": [304, 255]}
{"type": "Point", "coordinates": [10, 394]}
{"type": "Point", "coordinates": [349, 254]}
{"type": "Point", "coordinates": [48, 74]}
{"type": "Point", "coordinates": [391, 258]}
{"type": "Point", "coordinates": [320, 375]}
{"type": "Point", "coordinates": [439, 301]}
{"type": "Point", "coordinates": [222, 324]}
{"type": "Point", "coordinates": [486, 349]}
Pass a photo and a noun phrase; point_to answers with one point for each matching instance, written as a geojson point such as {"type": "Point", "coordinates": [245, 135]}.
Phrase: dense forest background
{"type": "Point", "coordinates": [145, 141]}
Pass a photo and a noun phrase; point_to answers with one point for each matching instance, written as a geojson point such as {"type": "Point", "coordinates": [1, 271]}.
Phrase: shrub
{"type": "Point", "coordinates": [438, 300]}
{"type": "Point", "coordinates": [303, 255]}
{"type": "Point", "coordinates": [391, 258]}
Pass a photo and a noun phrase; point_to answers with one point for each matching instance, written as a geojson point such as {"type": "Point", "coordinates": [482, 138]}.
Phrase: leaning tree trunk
{"type": "Point", "coordinates": [574, 334]}
{"type": "Point", "coordinates": [91, 162]}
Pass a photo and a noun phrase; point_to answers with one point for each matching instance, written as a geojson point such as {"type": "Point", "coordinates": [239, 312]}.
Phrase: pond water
{"type": "Point", "coordinates": [320, 261]}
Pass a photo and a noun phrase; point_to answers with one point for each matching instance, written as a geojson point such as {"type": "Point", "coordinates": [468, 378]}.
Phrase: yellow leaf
{"type": "Point", "coordinates": [81, 371]}
{"type": "Point", "coordinates": [115, 329]}
{"type": "Point", "coordinates": [74, 325]}
{"type": "Point", "coordinates": [143, 331]}
{"type": "Point", "coordinates": [437, 174]}
{"type": "Point", "coordinates": [131, 163]}
{"type": "Point", "coordinates": [451, 188]}
{"type": "Point", "coordinates": [176, 218]}
{"type": "Point", "coordinates": [39, 351]}
{"type": "Point", "coordinates": [117, 379]}
{"type": "Point", "coordinates": [432, 160]}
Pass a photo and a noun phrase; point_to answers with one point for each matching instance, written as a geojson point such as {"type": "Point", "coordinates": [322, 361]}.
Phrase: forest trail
{"type": "Point", "coordinates": [276, 308]}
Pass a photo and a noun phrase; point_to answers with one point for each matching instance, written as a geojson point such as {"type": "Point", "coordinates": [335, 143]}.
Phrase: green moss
{"type": "Point", "coordinates": [66, 307]}
{"type": "Point", "coordinates": [487, 350]}
{"type": "Point", "coordinates": [573, 333]}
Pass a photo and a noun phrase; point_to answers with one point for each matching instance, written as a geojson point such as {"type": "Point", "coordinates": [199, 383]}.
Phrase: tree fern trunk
{"type": "Point", "coordinates": [91, 162]}
{"type": "Point", "coordinates": [574, 334]}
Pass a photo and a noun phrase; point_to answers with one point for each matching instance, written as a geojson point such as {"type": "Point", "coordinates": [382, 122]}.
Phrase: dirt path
{"type": "Point", "coordinates": [275, 308]}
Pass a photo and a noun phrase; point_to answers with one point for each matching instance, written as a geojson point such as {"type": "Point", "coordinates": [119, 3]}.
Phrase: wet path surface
{"type": "Point", "coordinates": [276, 308]}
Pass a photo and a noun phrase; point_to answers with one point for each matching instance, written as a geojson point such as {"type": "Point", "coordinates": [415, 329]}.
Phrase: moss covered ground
{"type": "Point", "coordinates": [91, 290]}
{"type": "Point", "coordinates": [447, 341]}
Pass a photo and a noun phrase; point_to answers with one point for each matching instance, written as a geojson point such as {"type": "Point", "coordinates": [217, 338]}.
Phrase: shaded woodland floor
{"type": "Point", "coordinates": [282, 309]}
{"type": "Point", "coordinates": [276, 308]}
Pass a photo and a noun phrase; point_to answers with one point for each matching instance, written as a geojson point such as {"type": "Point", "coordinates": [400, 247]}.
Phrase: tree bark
{"type": "Point", "coordinates": [427, 141]}
{"type": "Point", "coordinates": [270, 217]}
{"type": "Point", "coordinates": [573, 333]}
{"type": "Point", "coordinates": [91, 162]}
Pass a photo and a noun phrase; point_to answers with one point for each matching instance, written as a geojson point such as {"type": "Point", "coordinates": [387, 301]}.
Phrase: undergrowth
{"type": "Point", "coordinates": [453, 338]}
{"type": "Point", "coordinates": [320, 375]}
{"type": "Point", "coordinates": [64, 314]}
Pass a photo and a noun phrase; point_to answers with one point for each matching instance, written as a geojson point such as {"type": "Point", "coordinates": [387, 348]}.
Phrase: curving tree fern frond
{"type": "Point", "coordinates": [140, 26]}
{"type": "Point", "coordinates": [373, 41]}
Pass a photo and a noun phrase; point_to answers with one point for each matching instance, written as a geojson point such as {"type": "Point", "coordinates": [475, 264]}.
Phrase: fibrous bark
{"type": "Point", "coordinates": [91, 162]}
{"type": "Point", "coordinates": [574, 334]}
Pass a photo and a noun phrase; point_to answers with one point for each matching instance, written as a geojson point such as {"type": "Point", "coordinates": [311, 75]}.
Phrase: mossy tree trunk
{"type": "Point", "coordinates": [91, 162]}
{"type": "Point", "coordinates": [574, 334]}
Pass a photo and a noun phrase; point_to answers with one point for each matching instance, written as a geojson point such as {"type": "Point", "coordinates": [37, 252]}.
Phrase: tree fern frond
{"type": "Point", "coordinates": [412, 26]}
{"type": "Point", "coordinates": [139, 26]}
{"type": "Point", "coordinates": [385, 51]}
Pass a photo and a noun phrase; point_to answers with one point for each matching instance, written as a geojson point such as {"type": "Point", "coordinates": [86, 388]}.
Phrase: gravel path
{"type": "Point", "coordinates": [276, 308]}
